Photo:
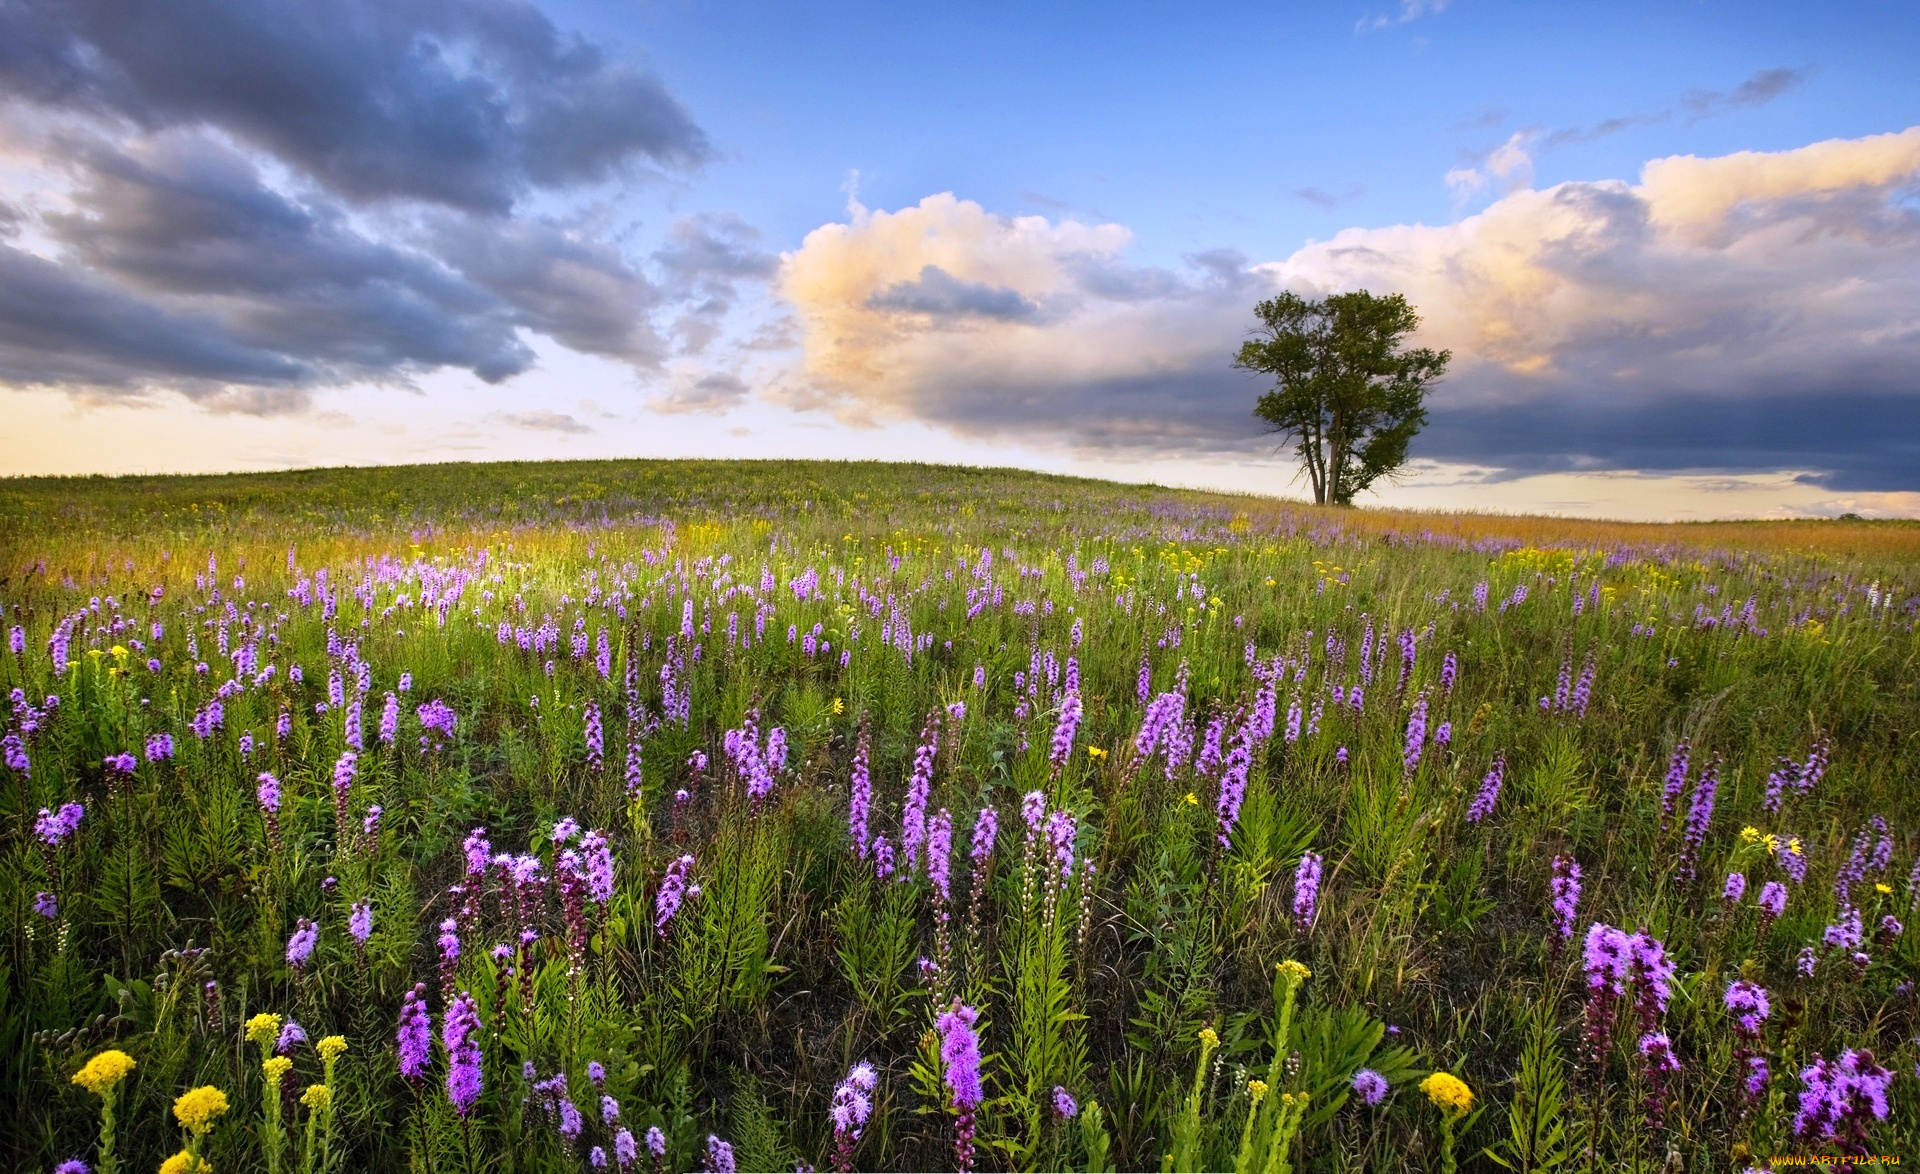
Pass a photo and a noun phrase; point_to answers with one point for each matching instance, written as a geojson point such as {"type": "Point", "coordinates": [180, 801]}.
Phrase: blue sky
{"type": "Point", "coordinates": [1008, 233]}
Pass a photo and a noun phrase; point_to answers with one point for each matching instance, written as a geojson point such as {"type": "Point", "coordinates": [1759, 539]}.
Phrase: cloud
{"type": "Point", "coordinates": [1759, 88]}
{"type": "Point", "coordinates": [245, 202]}
{"type": "Point", "coordinates": [1749, 312]}
{"type": "Point", "coordinates": [545, 421]}
{"type": "Point", "coordinates": [1510, 164]}
{"type": "Point", "coordinates": [1328, 201]}
{"type": "Point", "coordinates": [938, 294]}
{"type": "Point", "coordinates": [701, 391]}
{"type": "Point", "coordinates": [1410, 10]}
{"type": "Point", "coordinates": [470, 105]}
{"type": "Point", "coordinates": [705, 259]}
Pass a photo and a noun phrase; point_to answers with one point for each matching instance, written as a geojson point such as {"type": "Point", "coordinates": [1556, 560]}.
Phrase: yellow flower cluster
{"type": "Point", "coordinates": [197, 1108]}
{"type": "Point", "coordinates": [264, 1028]}
{"type": "Point", "coordinates": [1209, 1038]}
{"type": "Point", "coordinates": [1449, 1092]}
{"type": "Point", "coordinates": [331, 1048]}
{"type": "Point", "coordinates": [317, 1096]}
{"type": "Point", "coordinates": [104, 1072]}
{"type": "Point", "coordinates": [1772, 843]}
{"type": "Point", "coordinates": [185, 1163]}
{"type": "Point", "coordinates": [276, 1069]}
{"type": "Point", "coordinates": [1256, 1089]}
{"type": "Point", "coordinates": [1294, 970]}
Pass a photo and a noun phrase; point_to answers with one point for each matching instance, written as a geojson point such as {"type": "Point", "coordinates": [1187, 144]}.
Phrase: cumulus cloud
{"type": "Point", "coordinates": [701, 391]}
{"type": "Point", "coordinates": [245, 201]}
{"type": "Point", "coordinates": [1747, 312]}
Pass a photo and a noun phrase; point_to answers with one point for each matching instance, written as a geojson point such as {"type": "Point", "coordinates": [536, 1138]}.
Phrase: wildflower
{"type": "Point", "coordinates": [300, 945]}
{"type": "Point", "coordinates": [940, 853]}
{"type": "Point", "coordinates": [851, 1107]}
{"type": "Point", "coordinates": [1449, 1093]}
{"type": "Point", "coordinates": [1772, 900]}
{"type": "Point", "coordinates": [1489, 794]}
{"type": "Point", "coordinates": [46, 904]}
{"type": "Point", "coordinates": [331, 1048]}
{"type": "Point", "coordinates": [275, 1069]}
{"type": "Point", "coordinates": [913, 809]}
{"type": "Point", "coordinates": [986, 828]}
{"type": "Point", "coordinates": [673, 889]}
{"type": "Point", "coordinates": [71, 1166]}
{"type": "Point", "coordinates": [460, 1033]}
{"type": "Point", "coordinates": [102, 1075]}
{"type": "Point", "coordinates": [1369, 1086]}
{"type": "Point", "coordinates": [55, 827]}
{"type": "Point", "coordinates": [198, 1108]}
{"type": "Point", "coordinates": [186, 1162]}
{"type": "Point", "coordinates": [1842, 1098]}
{"type": "Point", "coordinates": [1749, 1002]}
{"type": "Point", "coordinates": [360, 922]}
{"type": "Point", "coordinates": [292, 1035]}
{"type": "Point", "coordinates": [960, 1064]}
{"type": "Point", "coordinates": [656, 1142]}
{"type": "Point", "coordinates": [1294, 969]}
{"type": "Point", "coordinates": [1735, 889]}
{"type": "Point", "coordinates": [719, 1156]}
{"type": "Point", "coordinates": [318, 1097]}
{"type": "Point", "coordinates": [625, 1149]}
{"type": "Point", "coordinates": [1565, 887]}
{"type": "Point", "coordinates": [1699, 815]}
{"type": "Point", "coordinates": [263, 1029]}
{"type": "Point", "coordinates": [860, 791]}
{"type": "Point", "coordinates": [1306, 888]}
{"type": "Point", "coordinates": [1065, 1107]}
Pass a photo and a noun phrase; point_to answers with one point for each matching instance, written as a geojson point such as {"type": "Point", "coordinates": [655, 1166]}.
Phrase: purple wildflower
{"type": "Point", "coordinates": [55, 827]}
{"type": "Point", "coordinates": [719, 1156]}
{"type": "Point", "coordinates": [300, 946]}
{"type": "Point", "coordinates": [360, 922]}
{"type": "Point", "coordinates": [1699, 815]}
{"type": "Point", "coordinates": [1772, 900]}
{"type": "Point", "coordinates": [1736, 888]}
{"type": "Point", "coordinates": [46, 905]}
{"type": "Point", "coordinates": [1065, 1108]}
{"type": "Point", "coordinates": [1065, 729]}
{"type": "Point", "coordinates": [986, 829]}
{"type": "Point", "coordinates": [292, 1035]}
{"type": "Point", "coordinates": [1306, 888]}
{"type": "Point", "coordinates": [940, 853]}
{"type": "Point", "coordinates": [1368, 1085]}
{"type": "Point", "coordinates": [1676, 781]}
{"type": "Point", "coordinates": [415, 1037]}
{"type": "Point", "coordinates": [1749, 1003]}
{"type": "Point", "coordinates": [1842, 1098]}
{"type": "Point", "coordinates": [913, 809]}
{"type": "Point", "coordinates": [673, 889]}
{"type": "Point", "coordinates": [1565, 887]}
{"type": "Point", "coordinates": [460, 1033]}
{"type": "Point", "coordinates": [1489, 794]}
{"type": "Point", "coordinates": [860, 791]}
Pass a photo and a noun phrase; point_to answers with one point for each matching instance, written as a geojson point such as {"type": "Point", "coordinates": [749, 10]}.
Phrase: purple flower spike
{"type": "Point", "coordinates": [1368, 1085]}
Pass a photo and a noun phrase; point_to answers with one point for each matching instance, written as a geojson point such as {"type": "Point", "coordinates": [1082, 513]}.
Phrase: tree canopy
{"type": "Point", "coordinates": [1345, 391]}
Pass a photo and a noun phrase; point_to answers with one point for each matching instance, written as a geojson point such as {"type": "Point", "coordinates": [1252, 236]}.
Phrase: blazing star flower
{"type": "Point", "coordinates": [46, 905]}
{"type": "Point", "coordinates": [1306, 888]}
{"type": "Point", "coordinates": [986, 829]}
{"type": "Point", "coordinates": [415, 1037]}
{"type": "Point", "coordinates": [1065, 1108]}
{"type": "Point", "coordinates": [1749, 1002]}
{"type": "Point", "coordinates": [719, 1156]}
{"type": "Point", "coordinates": [292, 1035]}
{"type": "Point", "coordinates": [56, 827]}
{"type": "Point", "coordinates": [1842, 1098]}
{"type": "Point", "coordinates": [460, 1034]}
{"type": "Point", "coordinates": [1368, 1085]}
{"type": "Point", "coordinates": [625, 1149]}
{"type": "Point", "coordinates": [960, 1055]}
{"type": "Point", "coordinates": [1565, 888]}
{"type": "Point", "coordinates": [360, 922]}
{"type": "Point", "coordinates": [1489, 794]}
{"type": "Point", "coordinates": [940, 853]}
{"type": "Point", "coordinates": [300, 945]}
{"type": "Point", "coordinates": [673, 890]}
{"type": "Point", "coordinates": [565, 830]}
{"type": "Point", "coordinates": [1736, 888]}
{"type": "Point", "coordinates": [656, 1142]}
{"type": "Point", "coordinates": [860, 791]}
{"type": "Point", "coordinates": [1773, 899]}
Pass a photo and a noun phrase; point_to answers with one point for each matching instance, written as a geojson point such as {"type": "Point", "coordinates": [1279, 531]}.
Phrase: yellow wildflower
{"type": "Point", "coordinates": [264, 1028]}
{"type": "Point", "coordinates": [1297, 970]}
{"type": "Point", "coordinates": [104, 1072]}
{"type": "Point", "coordinates": [185, 1163]}
{"type": "Point", "coordinates": [1751, 834]}
{"type": "Point", "coordinates": [276, 1069]}
{"type": "Point", "coordinates": [197, 1108]}
{"type": "Point", "coordinates": [1448, 1092]}
{"type": "Point", "coordinates": [1793, 846]}
{"type": "Point", "coordinates": [1209, 1038]}
{"type": "Point", "coordinates": [317, 1096]}
{"type": "Point", "coordinates": [1096, 752]}
{"type": "Point", "coordinates": [1882, 887]}
{"type": "Point", "coordinates": [1192, 800]}
{"type": "Point", "coordinates": [332, 1048]}
{"type": "Point", "coordinates": [1256, 1089]}
{"type": "Point", "coordinates": [839, 707]}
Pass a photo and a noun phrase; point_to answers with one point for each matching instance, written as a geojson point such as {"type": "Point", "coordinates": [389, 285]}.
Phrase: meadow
{"type": "Point", "coordinates": [654, 816]}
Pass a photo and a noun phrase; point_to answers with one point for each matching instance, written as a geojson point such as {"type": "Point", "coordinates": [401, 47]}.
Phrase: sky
{"type": "Point", "coordinates": [1674, 249]}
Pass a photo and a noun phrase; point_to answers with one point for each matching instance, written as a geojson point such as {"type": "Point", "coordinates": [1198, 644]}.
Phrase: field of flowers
{"type": "Point", "coordinates": [646, 816]}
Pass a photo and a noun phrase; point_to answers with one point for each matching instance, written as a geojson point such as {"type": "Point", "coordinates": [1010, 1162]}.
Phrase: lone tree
{"type": "Point", "coordinates": [1344, 389]}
